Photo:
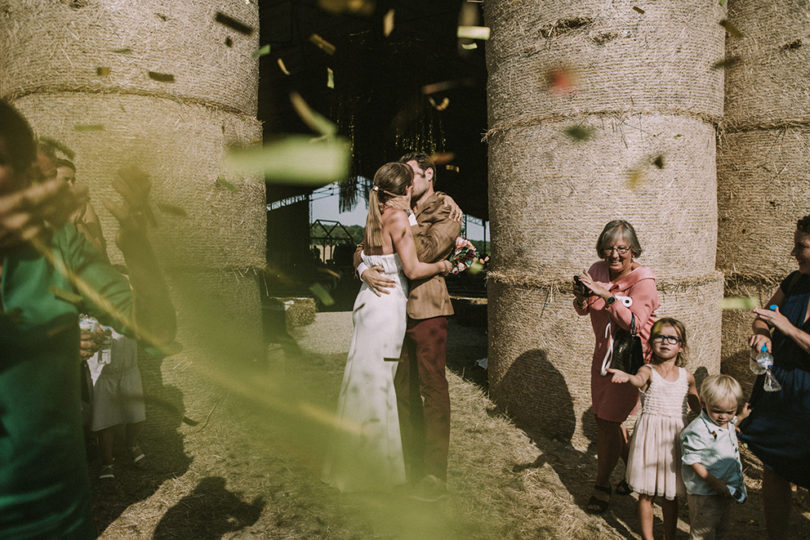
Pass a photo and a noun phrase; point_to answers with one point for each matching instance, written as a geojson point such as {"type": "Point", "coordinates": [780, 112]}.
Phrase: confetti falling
{"type": "Point", "coordinates": [579, 132]}
{"type": "Point", "coordinates": [125, 50]}
{"type": "Point", "coordinates": [442, 158]}
{"type": "Point", "coordinates": [561, 80]}
{"type": "Point", "coordinates": [473, 32]}
{"type": "Point", "coordinates": [318, 290]}
{"type": "Point", "coordinates": [732, 30]}
{"type": "Point", "coordinates": [161, 77]}
{"type": "Point", "coordinates": [222, 182]}
{"type": "Point", "coordinates": [322, 44]}
{"type": "Point", "coordinates": [639, 10]}
{"type": "Point", "coordinates": [445, 102]}
{"type": "Point", "coordinates": [171, 209]}
{"type": "Point", "coordinates": [67, 296]}
{"type": "Point", "coordinates": [658, 161]}
{"type": "Point", "coordinates": [358, 7]}
{"type": "Point", "coordinates": [475, 268]}
{"type": "Point", "coordinates": [330, 78]}
{"type": "Point", "coordinates": [233, 24]}
{"type": "Point", "coordinates": [102, 71]}
{"type": "Point", "coordinates": [312, 119]}
{"type": "Point", "coordinates": [295, 159]}
{"type": "Point", "coordinates": [282, 67]}
{"type": "Point", "coordinates": [262, 51]}
{"type": "Point", "coordinates": [388, 23]}
{"type": "Point", "coordinates": [635, 177]}
{"type": "Point", "coordinates": [740, 302]}
{"type": "Point", "coordinates": [727, 62]}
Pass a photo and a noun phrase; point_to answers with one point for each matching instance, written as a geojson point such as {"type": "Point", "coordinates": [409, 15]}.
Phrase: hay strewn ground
{"type": "Point", "coordinates": [251, 470]}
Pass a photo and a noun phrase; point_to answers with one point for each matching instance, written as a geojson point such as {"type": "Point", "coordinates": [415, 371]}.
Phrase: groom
{"type": "Point", "coordinates": [423, 400]}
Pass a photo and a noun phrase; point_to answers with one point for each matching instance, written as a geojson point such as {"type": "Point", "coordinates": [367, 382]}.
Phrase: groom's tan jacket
{"type": "Point", "coordinates": [435, 235]}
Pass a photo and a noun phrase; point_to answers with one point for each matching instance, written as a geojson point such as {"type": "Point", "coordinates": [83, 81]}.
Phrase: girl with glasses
{"type": "Point", "coordinates": [654, 461]}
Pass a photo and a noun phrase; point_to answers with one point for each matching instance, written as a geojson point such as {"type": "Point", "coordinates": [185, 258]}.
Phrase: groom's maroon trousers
{"type": "Point", "coordinates": [425, 427]}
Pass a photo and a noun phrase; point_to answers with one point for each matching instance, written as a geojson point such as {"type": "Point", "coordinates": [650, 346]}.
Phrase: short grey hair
{"type": "Point", "coordinates": [618, 228]}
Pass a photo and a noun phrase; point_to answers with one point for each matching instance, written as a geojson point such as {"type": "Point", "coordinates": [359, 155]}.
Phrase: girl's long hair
{"type": "Point", "coordinates": [390, 180]}
{"type": "Point", "coordinates": [681, 329]}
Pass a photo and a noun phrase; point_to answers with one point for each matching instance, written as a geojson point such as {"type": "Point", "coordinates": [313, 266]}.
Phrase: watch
{"type": "Point", "coordinates": [610, 300]}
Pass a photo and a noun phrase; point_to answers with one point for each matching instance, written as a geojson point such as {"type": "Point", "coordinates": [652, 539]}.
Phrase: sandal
{"type": "Point", "coordinates": [623, 488]}
{"type": "Point", "coordinates": [595, 505]}
{"type": "Point", "coordinates": [106, 473]}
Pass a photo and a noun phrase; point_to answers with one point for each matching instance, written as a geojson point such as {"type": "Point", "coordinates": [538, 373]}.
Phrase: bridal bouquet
{"type": "Point", "coordinates": [464, 255]}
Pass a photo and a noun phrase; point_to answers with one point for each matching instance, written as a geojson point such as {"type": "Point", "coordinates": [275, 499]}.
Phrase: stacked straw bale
{"type": "Point", "coordinates": [763, 178]}
{"type": "Point", "coordinates": [645, 88]}
{"type": "Point", "coordinates": [176, 132]}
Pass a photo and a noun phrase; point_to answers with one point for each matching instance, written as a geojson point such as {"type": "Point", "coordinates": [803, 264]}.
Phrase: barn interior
{"type": "Point", "coordinates": [394, 77]}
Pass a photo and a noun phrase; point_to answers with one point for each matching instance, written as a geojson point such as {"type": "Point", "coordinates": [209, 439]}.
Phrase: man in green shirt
{"type": "Point", "coordinates": [48, 270]}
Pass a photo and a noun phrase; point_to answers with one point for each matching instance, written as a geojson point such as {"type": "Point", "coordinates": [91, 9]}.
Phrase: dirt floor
{"type": "Point", "coordinates": [250, 468]}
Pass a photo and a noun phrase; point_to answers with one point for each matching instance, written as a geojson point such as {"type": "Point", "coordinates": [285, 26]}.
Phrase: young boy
{"type": "Point", "coordinates": [711, 467]}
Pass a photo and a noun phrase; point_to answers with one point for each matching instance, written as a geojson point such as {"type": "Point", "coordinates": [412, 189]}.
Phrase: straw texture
{"type": "Point", "coordinates": [620, 60]}
{"type": "Point", "coordinates": [180, 147]}
{"type": "Point", "coordinates": [763, 188]}
{"type": "Point", "coordinates": [768, 86]}
{"type": "Point", "coordinates": [629, 137]}
{"type": "Point", "coordinates": [763, 181]}
{"type": "Point", "coordinates": [65, 44]}
{"type": "Point", "coordinates": [550, 195]}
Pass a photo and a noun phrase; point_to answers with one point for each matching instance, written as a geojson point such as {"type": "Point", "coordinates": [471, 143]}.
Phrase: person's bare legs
{"type": "Point", "coordinates": [776, 500]}
{"type": "Point", "coordinates": [645, 516]}
{"type": "Point", "coordinates": [670, 509]}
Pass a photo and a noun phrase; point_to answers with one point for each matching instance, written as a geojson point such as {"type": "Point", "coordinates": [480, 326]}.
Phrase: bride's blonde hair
{"type": "Point", "coordinates": [390, 180]}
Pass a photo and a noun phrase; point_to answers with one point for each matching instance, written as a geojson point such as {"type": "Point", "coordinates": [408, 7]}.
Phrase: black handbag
{"type": "Point", "coordinates": [627, 349]}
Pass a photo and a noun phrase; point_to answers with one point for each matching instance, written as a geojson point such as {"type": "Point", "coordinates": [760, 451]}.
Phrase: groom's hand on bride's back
{"type": "Point", "coordinates": [377, 281]}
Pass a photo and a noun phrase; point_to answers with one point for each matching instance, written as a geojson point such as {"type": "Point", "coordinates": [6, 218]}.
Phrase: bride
{"type": "Point", "coordinates": [366, 453]}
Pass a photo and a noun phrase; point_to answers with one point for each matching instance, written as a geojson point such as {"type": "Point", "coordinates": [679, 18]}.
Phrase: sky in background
{"type": "Point", "coordinates": [324, 205]}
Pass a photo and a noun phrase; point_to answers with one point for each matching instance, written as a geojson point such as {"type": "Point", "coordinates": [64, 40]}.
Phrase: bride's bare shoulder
{"type": "Point", "coordinates": [394, 217]}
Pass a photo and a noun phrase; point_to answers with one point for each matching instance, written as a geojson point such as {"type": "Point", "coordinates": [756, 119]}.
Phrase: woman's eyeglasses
{"type": "Point", "coordinates": [672, 340]}
{"type": "Point", "coordinates": [621, 250]}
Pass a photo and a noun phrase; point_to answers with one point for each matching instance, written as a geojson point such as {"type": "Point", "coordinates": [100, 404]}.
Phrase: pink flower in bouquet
{"type": "Point", "coordinates": [463, 256]}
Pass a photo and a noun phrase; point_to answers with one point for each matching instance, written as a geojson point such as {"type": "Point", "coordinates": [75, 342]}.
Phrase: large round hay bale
{"type": "Point", "coordinates": [181, 147]}
{"type": "Point", "coordinates": [628, 136]}
{"type": "Point", "coordinates": [619, 60]}
{"type": "Point", "coordinates": [763, 182]}
{"type": "Point", "coordinates": [550, 195]}
{"type": "Point", "coordinates": [769, 85]}
{"type": "Point", "coordinates": [112, 46]}
{"type": "Point", "coordinates": [763, 188]}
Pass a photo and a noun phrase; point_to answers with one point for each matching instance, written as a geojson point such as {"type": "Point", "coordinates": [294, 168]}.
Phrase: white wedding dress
{"type": "Point", "coordinates": [366, 452]}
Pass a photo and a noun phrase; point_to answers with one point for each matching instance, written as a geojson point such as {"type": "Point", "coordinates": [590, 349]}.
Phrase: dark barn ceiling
{"type": "Point", "coordinates": [379, 100]}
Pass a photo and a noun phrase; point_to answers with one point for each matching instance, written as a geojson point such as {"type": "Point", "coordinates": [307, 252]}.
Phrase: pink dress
{"type": "Point", "coordinates": [654, 465]}
{"type": "Point", "coordinates": [635, 294]}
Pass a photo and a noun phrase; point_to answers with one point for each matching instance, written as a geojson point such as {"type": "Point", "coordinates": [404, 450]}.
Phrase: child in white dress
{"type": "Point", "coordinates": [654, 463]}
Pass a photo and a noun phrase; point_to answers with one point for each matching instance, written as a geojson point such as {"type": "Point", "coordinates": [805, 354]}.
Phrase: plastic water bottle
{"type": "Point", "coordinates": [765, 362]}
{"type": "Point", "coordinates": [755, 364]}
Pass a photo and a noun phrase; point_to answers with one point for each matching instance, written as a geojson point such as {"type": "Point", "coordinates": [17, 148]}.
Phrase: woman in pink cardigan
{"type": "Point", "coordinates": [612, 291]}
